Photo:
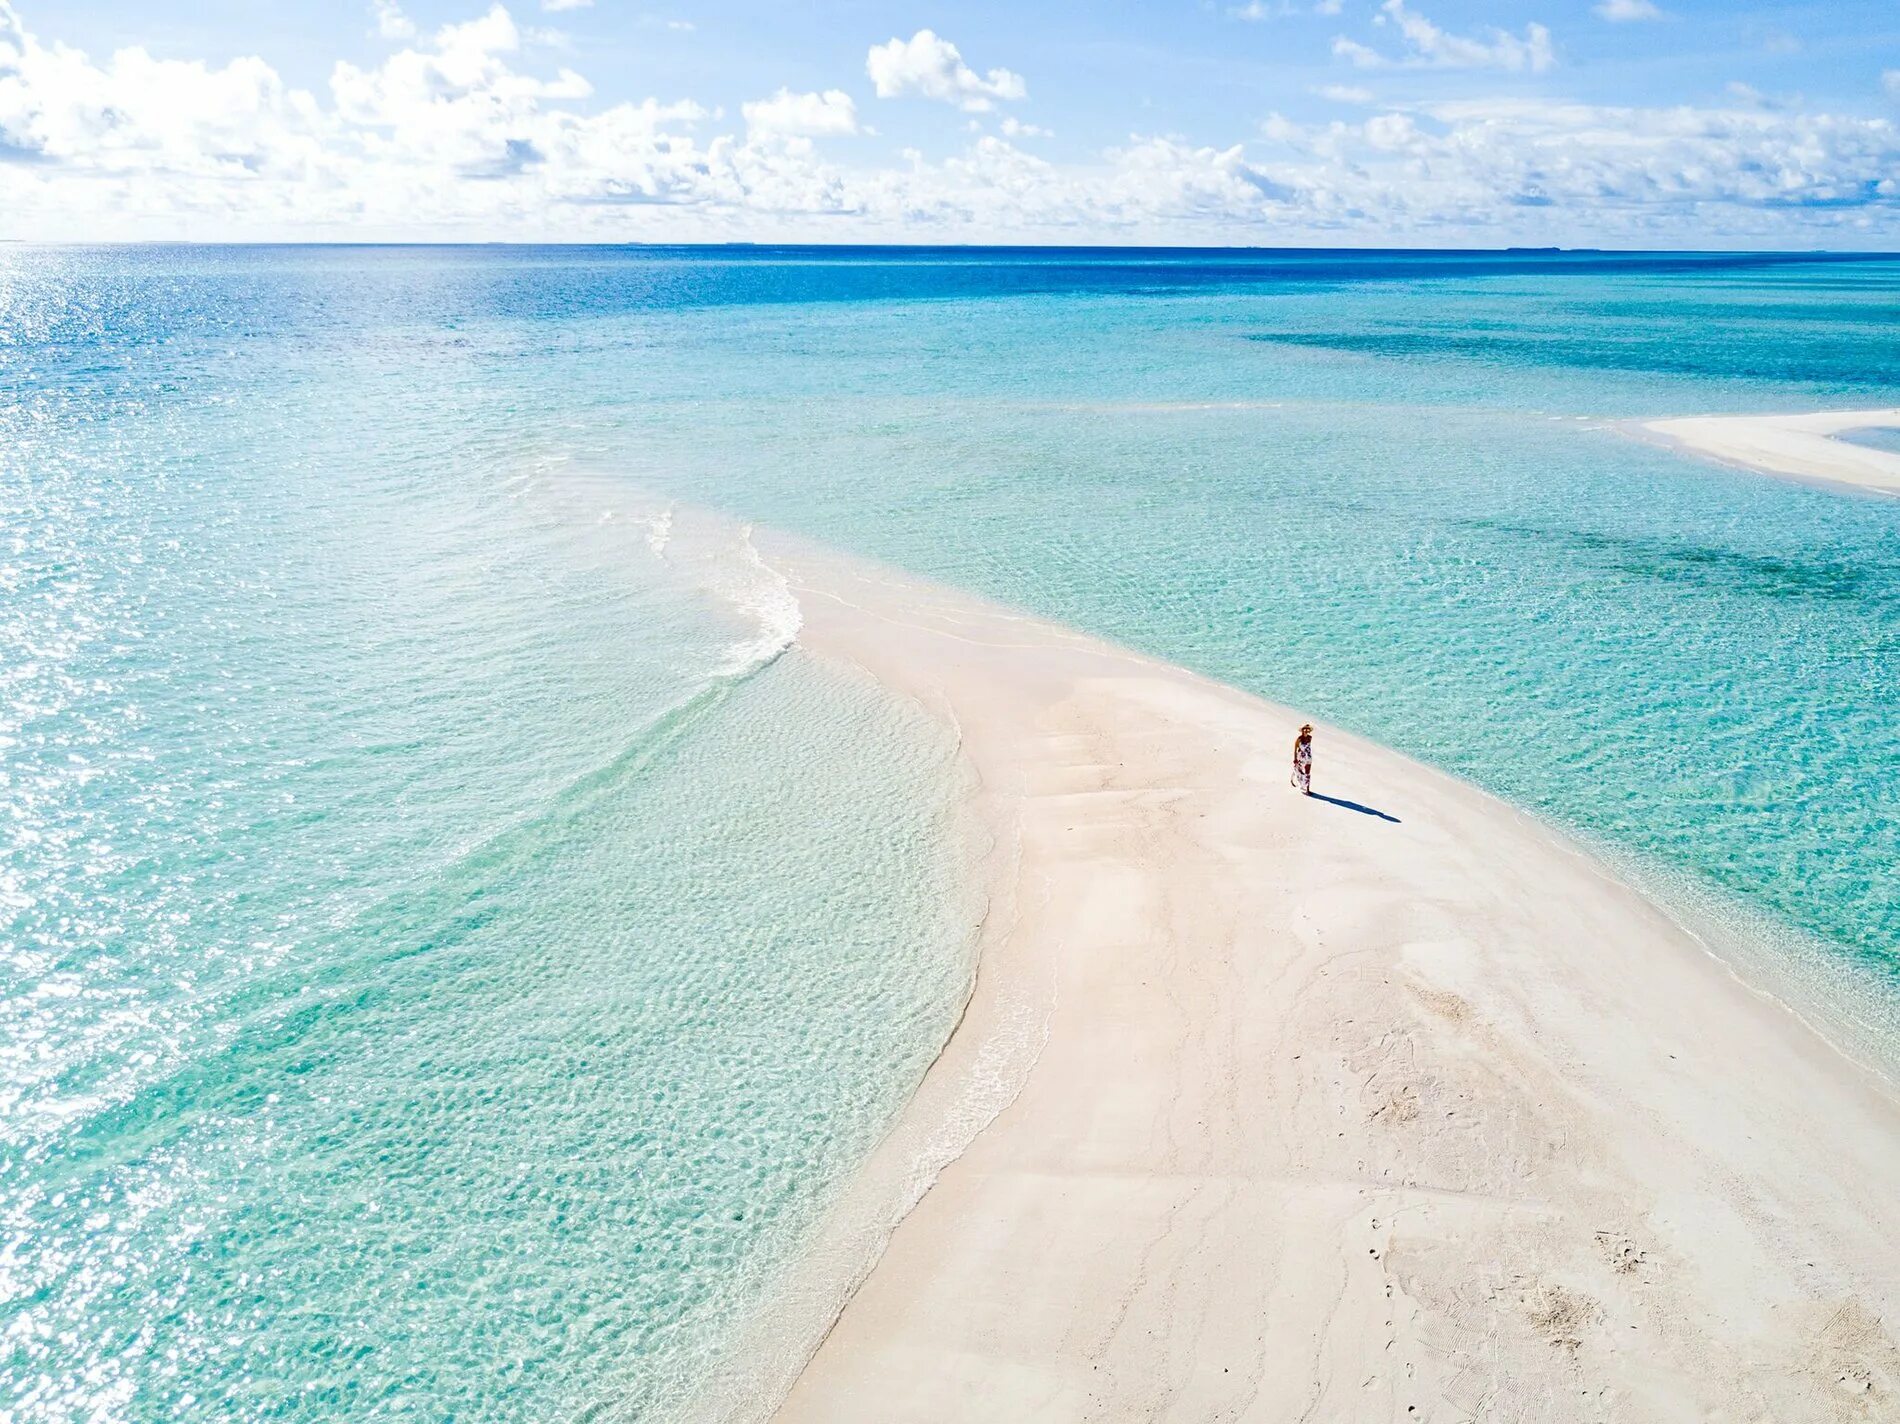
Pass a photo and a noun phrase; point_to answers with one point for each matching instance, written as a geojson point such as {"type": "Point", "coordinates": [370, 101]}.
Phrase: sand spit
{"type": "Point", "coordinates": [1389, 1104]}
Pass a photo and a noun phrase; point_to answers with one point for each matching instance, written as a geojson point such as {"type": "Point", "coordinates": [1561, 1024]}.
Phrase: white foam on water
{"type": "Point", "coordinates": [660, 532]}
{"type": "Point", "coordinates": [760, 592]}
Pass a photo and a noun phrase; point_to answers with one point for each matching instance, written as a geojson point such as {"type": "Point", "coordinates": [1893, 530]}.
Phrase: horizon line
{"type": "Point", "coordinates": [1515, 249]}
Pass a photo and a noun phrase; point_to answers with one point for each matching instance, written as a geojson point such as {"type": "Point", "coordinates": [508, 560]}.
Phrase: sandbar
{"type": "Point", "coordinates": [1392, 1103]}
{"type": "Point", "coordinates": [1802, 446]}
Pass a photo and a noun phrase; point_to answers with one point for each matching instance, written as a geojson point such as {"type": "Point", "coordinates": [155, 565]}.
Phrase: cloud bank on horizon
{"type": "Point", "coordinates": [1373, 123]}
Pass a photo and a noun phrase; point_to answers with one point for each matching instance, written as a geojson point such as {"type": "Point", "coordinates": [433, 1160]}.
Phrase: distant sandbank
{"type": "Point", "coordinates": [1389, 1104]}
{"type": "Point", "coordinates": [1799, 445]}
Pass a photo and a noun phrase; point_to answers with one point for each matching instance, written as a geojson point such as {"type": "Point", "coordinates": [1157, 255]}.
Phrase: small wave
{"type": "Point", "coordinates": [660, 532]}
{"type": "Point", "coordinates": [761, 592]}
{"type": "Point", "coordinates": [529, 481]}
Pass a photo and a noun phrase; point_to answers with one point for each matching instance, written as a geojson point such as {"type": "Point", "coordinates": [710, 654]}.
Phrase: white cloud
{"type": "Point", "coordinates": [1014, 127]}
{"type": "Point", "coordinates": [1257, 10]}
{"type": "Point", "coordinates": [789, 115]}
{"type": "Point", "coordinates": [461, 134]}
{"type": "Point", "coordinates": [391, 23]}
{"type": "Point", "coordinates": [1622, 11]}
{"type": "Point", "coordinates": [557, 6]}
{"type": "Point", "coordinates": [1890, 80]}
{"type": "Point", "coordinates": [458, 103]}
{"type": "Point", "coordinates": [1345, 93]}
{"type": "Point", "coordinates": [1393, 133]}
{"type": "Point", "coordinates": [1751, 97]}
{"type": "Point", "coordinates": [58, 108]}
{"type": "Point", "coordinates": [1428, 46]}
{"type": "Point", "coordinates": [931, 66]}
{"type": "Point", "coordinates": [1163, 175]}
{"type": "Point", "coordinates": [1365, 56]}
{"type": "Point", "coordinates": [1641, 170]}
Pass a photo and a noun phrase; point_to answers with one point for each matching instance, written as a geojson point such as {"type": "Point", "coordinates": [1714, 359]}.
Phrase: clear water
{"type": "Point", "coordinates": [1875, 438]}
{"type": "Point", "coordinates": [450, 955]}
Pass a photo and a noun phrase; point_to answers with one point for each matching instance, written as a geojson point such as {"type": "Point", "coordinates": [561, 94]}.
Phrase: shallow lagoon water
{"type": "Point", "coordinates": [452, 953]}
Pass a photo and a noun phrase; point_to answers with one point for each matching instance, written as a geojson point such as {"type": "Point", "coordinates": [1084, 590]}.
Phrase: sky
{"type": "Point", "coordinates": [1432, 123]}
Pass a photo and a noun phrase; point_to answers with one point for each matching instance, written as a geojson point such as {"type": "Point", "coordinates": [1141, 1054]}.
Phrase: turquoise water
{"type": "Point", "coordinates": [452, 951]}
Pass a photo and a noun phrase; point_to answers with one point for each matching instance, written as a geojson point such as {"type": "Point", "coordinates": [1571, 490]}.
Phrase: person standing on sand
{"type": "Point", "coordinates": [1303, 761]}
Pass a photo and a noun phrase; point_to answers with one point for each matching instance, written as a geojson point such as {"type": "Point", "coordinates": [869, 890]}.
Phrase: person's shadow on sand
{"type": "Point", "coordinates": [1355, 806]}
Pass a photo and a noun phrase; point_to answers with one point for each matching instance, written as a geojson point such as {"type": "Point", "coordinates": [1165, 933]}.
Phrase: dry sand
{"type": "Point", "coordinates": [1799, 445]}
{"type": "Point", "coordinates": [1395, 1106]}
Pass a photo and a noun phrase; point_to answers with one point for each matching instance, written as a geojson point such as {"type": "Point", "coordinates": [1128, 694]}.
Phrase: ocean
{"type": "Point", "coordinates": [454, 946]}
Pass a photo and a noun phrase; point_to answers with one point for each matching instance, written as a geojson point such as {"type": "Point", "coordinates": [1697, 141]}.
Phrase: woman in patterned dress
{"type": "Point", "coordinates": [1303, 761]}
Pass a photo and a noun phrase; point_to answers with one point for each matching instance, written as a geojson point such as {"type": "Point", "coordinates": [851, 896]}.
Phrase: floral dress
{"type": "Point", "coordinates": [1303, 766]}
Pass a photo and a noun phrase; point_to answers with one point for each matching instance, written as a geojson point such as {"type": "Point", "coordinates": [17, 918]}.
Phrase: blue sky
{"type": "Point", "coordinates": [1434, 122]}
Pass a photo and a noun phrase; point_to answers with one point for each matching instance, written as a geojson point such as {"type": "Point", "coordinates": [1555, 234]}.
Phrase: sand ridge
{"type": "Point", "coordinates": [1798, 445]}
{"type": "Point", "coordinates": [1389, 1106]}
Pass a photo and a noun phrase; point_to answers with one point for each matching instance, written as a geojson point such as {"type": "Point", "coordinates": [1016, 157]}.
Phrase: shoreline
{"type": "Point", "coordinates": [1308, 1105]}
{"type": "Point", "coordinates": [1798, 446]}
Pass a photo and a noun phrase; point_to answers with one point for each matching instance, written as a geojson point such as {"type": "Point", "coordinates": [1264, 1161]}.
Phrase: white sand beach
{"type": "Point", "coordinates": [1389, 1106]}
{"type": "Point", "coordinates": [1800, 445]}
